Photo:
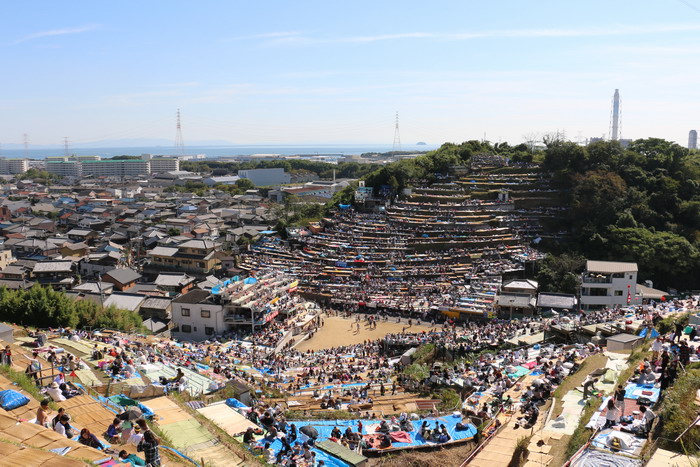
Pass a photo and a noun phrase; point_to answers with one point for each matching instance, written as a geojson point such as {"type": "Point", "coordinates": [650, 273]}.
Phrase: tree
{"type": "Point", "coordinates": [244, 184]}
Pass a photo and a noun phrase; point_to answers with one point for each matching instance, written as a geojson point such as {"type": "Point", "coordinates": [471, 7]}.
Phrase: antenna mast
{"type": "Point", "coordinates": [397, 136]}
{"type": "Point", "coordinates": [179, 142]}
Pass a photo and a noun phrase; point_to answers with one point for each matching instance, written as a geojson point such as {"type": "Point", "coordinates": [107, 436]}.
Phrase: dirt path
{"type": "Point", "coordinates": [337, 332]}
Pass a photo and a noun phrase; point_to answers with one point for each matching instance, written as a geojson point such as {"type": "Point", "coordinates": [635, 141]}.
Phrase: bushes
{"type": "Point", "coordinates": [44, 307]}
{"type": "Point", "coordinates": [677, 416]}
{"type": "Point", "coordinates": [449, 400]}
{"type": "Point", "coordinates": [668, 324]}
{"type": "Point", "coordinates": [424, 353]}
{"type": "Point", "coordinates": [416, 372]}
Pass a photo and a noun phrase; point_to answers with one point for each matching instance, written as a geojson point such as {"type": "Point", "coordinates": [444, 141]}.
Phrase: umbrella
{"type": "Point", "coordinates": [132, 414]}
{"type": "Point", "coordinates": [309, 431]}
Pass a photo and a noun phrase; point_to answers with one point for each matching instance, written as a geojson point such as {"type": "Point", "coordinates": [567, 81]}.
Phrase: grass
{"type": "Point", "coordinates": [520, 452]}
{"type": "Point", "coordinates": [677, 416]}
{"type": "Point", "coordinates": [26, 384]}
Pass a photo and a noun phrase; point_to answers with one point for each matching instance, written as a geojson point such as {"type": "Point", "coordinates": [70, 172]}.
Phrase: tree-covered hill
{"type": "Point", "coordinates": [640, 203]}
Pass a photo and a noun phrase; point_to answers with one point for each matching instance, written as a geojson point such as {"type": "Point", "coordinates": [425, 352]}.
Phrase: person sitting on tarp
{"type": "Point", "coordinates": [385, 441]}
{"type": "Point", "coordinates": [444, 435]}
{"type": "Point", "coordinates": [335, 433]}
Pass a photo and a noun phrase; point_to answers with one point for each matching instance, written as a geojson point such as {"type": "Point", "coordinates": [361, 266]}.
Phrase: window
{"type": "Point", "coordinates": [206, 314]}
{"type": "Point", "coordinates": [185, 311]}
{"type": "Point", "coordinates": [209, 331]}
{"type": "Point", "coordinates": [618, 293]}
{"type": "Point", "coordinates": [186, 328]}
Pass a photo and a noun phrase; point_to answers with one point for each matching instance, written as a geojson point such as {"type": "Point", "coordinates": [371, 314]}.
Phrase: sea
{"type": "Point", "coordinates": [216, 152]}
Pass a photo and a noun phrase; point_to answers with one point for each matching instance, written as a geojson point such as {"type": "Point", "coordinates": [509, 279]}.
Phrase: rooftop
{"type": "Point", "coordinates": [610, 267]}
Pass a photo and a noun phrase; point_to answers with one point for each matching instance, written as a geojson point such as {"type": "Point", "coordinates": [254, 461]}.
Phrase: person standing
{"type": "Point", "coordinates": [611, 415]}
{"type": "Point", "coordinates": [149, 447]}
{"type": "Point", "coordinates": [620, 399]}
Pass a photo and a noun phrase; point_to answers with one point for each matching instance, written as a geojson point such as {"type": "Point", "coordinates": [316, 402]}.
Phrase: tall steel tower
{"type": "Point", "coordinates": [179, 142]}
{"type": "Point", "coordinates": [26, 145]}
{"type": "Point", "coordinates": [66, 151]}
{"type": "Point", "coordinates": [397, 136]}
{"type": "Point", "coordinates": [615, 120]}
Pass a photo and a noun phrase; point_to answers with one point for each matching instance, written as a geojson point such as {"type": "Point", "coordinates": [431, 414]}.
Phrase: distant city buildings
{"type": "Point", "coordinates": [693, 139]}
{"type": "Point", "coordinates": [266, 177]}
{"type": "Point", "coordinates": [13, 166]}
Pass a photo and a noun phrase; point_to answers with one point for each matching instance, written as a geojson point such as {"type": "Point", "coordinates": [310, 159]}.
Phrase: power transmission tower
{"type": "Point", "coordinates": [179, 142]}
{"type": "Point", "coordinates": [65, 146]}
{"type": "Point", "coordinates": [397, 136]}
{"type": "Point", "coordinates": [26, 145]}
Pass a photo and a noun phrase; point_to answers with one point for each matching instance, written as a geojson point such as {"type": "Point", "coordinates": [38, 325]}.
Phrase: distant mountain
{"type": "Point", "coordinates": [124, 143]}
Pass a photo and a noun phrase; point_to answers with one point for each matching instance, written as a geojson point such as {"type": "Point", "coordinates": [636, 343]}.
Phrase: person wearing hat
{"type": "Point", "coordinates": [136, 436]}
{"type": "Point", "coordinates": [55, 393]}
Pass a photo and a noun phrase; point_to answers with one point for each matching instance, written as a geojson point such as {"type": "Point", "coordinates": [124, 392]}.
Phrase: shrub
{"type": "Point", "coordinates": [676, 416]}
{"type": "Point", "coordinates": [416, 372]}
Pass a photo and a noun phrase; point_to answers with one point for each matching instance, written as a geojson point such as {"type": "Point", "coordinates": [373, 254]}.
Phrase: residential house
{"type": "Point", "coordinates": [122, 278]}
{"type": "Point", "coordinates": [82, 235]}
{"type": "Point", "coordinates": [174, 284]}
{"type": "Point", "coordinates": [58, 274]}
{"type": "Point", "coordinates": [196, 316]}
{"type": "Point", "coordinates": [609, 284]}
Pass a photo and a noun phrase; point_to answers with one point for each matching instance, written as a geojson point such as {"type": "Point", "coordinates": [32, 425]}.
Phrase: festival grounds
{"type": "Point", "coordinates": [336, 332]}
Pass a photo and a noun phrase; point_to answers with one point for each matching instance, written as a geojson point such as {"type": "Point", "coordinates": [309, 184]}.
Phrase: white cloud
{"type": "Point", "coordinates": [58, 32]}
{"type": "Point", "coordinates": [300, 38]}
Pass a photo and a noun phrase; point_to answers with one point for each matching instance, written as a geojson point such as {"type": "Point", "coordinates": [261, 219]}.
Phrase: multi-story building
{"type": "Point", "coordinates": [13, 166]}
{"type": "Point", "coordinates": [266, 177]}
{"type": "Point", "coordinates": [116, 168]}
{"type": "Point", "coordinates": [693, 139]}
{"type": "Point", "coordinates": [196, 316]}
{"type": "Point", "coordinates": [64, 168]}
{"type": "Point", "coordinates": [608, 284]}
{"type": "Point", "coordinates": [164, 165]}
{"type": "Point", "coordinates": [196, 257]}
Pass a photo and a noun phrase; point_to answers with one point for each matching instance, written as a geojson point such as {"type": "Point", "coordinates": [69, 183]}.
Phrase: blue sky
{"type": "Point", "coordinates": [283, 72]}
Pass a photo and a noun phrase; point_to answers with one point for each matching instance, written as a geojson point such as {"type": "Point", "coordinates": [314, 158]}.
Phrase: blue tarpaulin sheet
{"type": "Point", "coordinates": [634, 391]}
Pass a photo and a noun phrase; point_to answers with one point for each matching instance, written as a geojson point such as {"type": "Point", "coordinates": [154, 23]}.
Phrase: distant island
{"type": "Point", "coordinates": [421, 143]}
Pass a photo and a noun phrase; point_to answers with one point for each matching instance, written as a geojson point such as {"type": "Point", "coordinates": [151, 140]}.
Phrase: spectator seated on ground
{"type": "Point", "coordinates": [55, 393]}
{"type": "Point", "coordinates": [131, 459]}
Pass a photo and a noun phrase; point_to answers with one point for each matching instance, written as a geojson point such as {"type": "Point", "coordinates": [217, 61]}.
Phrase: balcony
{"type": "Point", "coordinates": [597, 279]}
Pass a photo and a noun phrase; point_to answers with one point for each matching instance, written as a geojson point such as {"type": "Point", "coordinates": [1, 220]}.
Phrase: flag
{"type": "Point", "coordinates": [629, 295]}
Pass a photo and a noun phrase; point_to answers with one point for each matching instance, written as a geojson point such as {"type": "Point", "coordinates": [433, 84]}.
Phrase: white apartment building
{"type": "Point", "coordinates": [64, 168]}
{"type": "Point", "coordinates": [116, 168]}
{"type": "Point", "coordinates": [164, 164]}
{"type": "Point", "coordinates": [13, 166]}
{"type": "Point", "coordinates": [609, 284]}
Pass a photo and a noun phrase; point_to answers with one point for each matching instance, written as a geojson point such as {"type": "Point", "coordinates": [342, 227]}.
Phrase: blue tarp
{"type": "Point", "coordinates": [324, 428]}
{"type": "Point", "coordinates": [250, 280]}
{"type": "Point", "coordinates": [634, 391]}
{"type": "Point", "coordinates": [235, 403]}
{"type": "Point", "coordinates": [654, 333]}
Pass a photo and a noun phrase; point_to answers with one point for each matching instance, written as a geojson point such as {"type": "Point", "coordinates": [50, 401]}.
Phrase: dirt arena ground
{"type": "Point", "coordinates": [337, 332]}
